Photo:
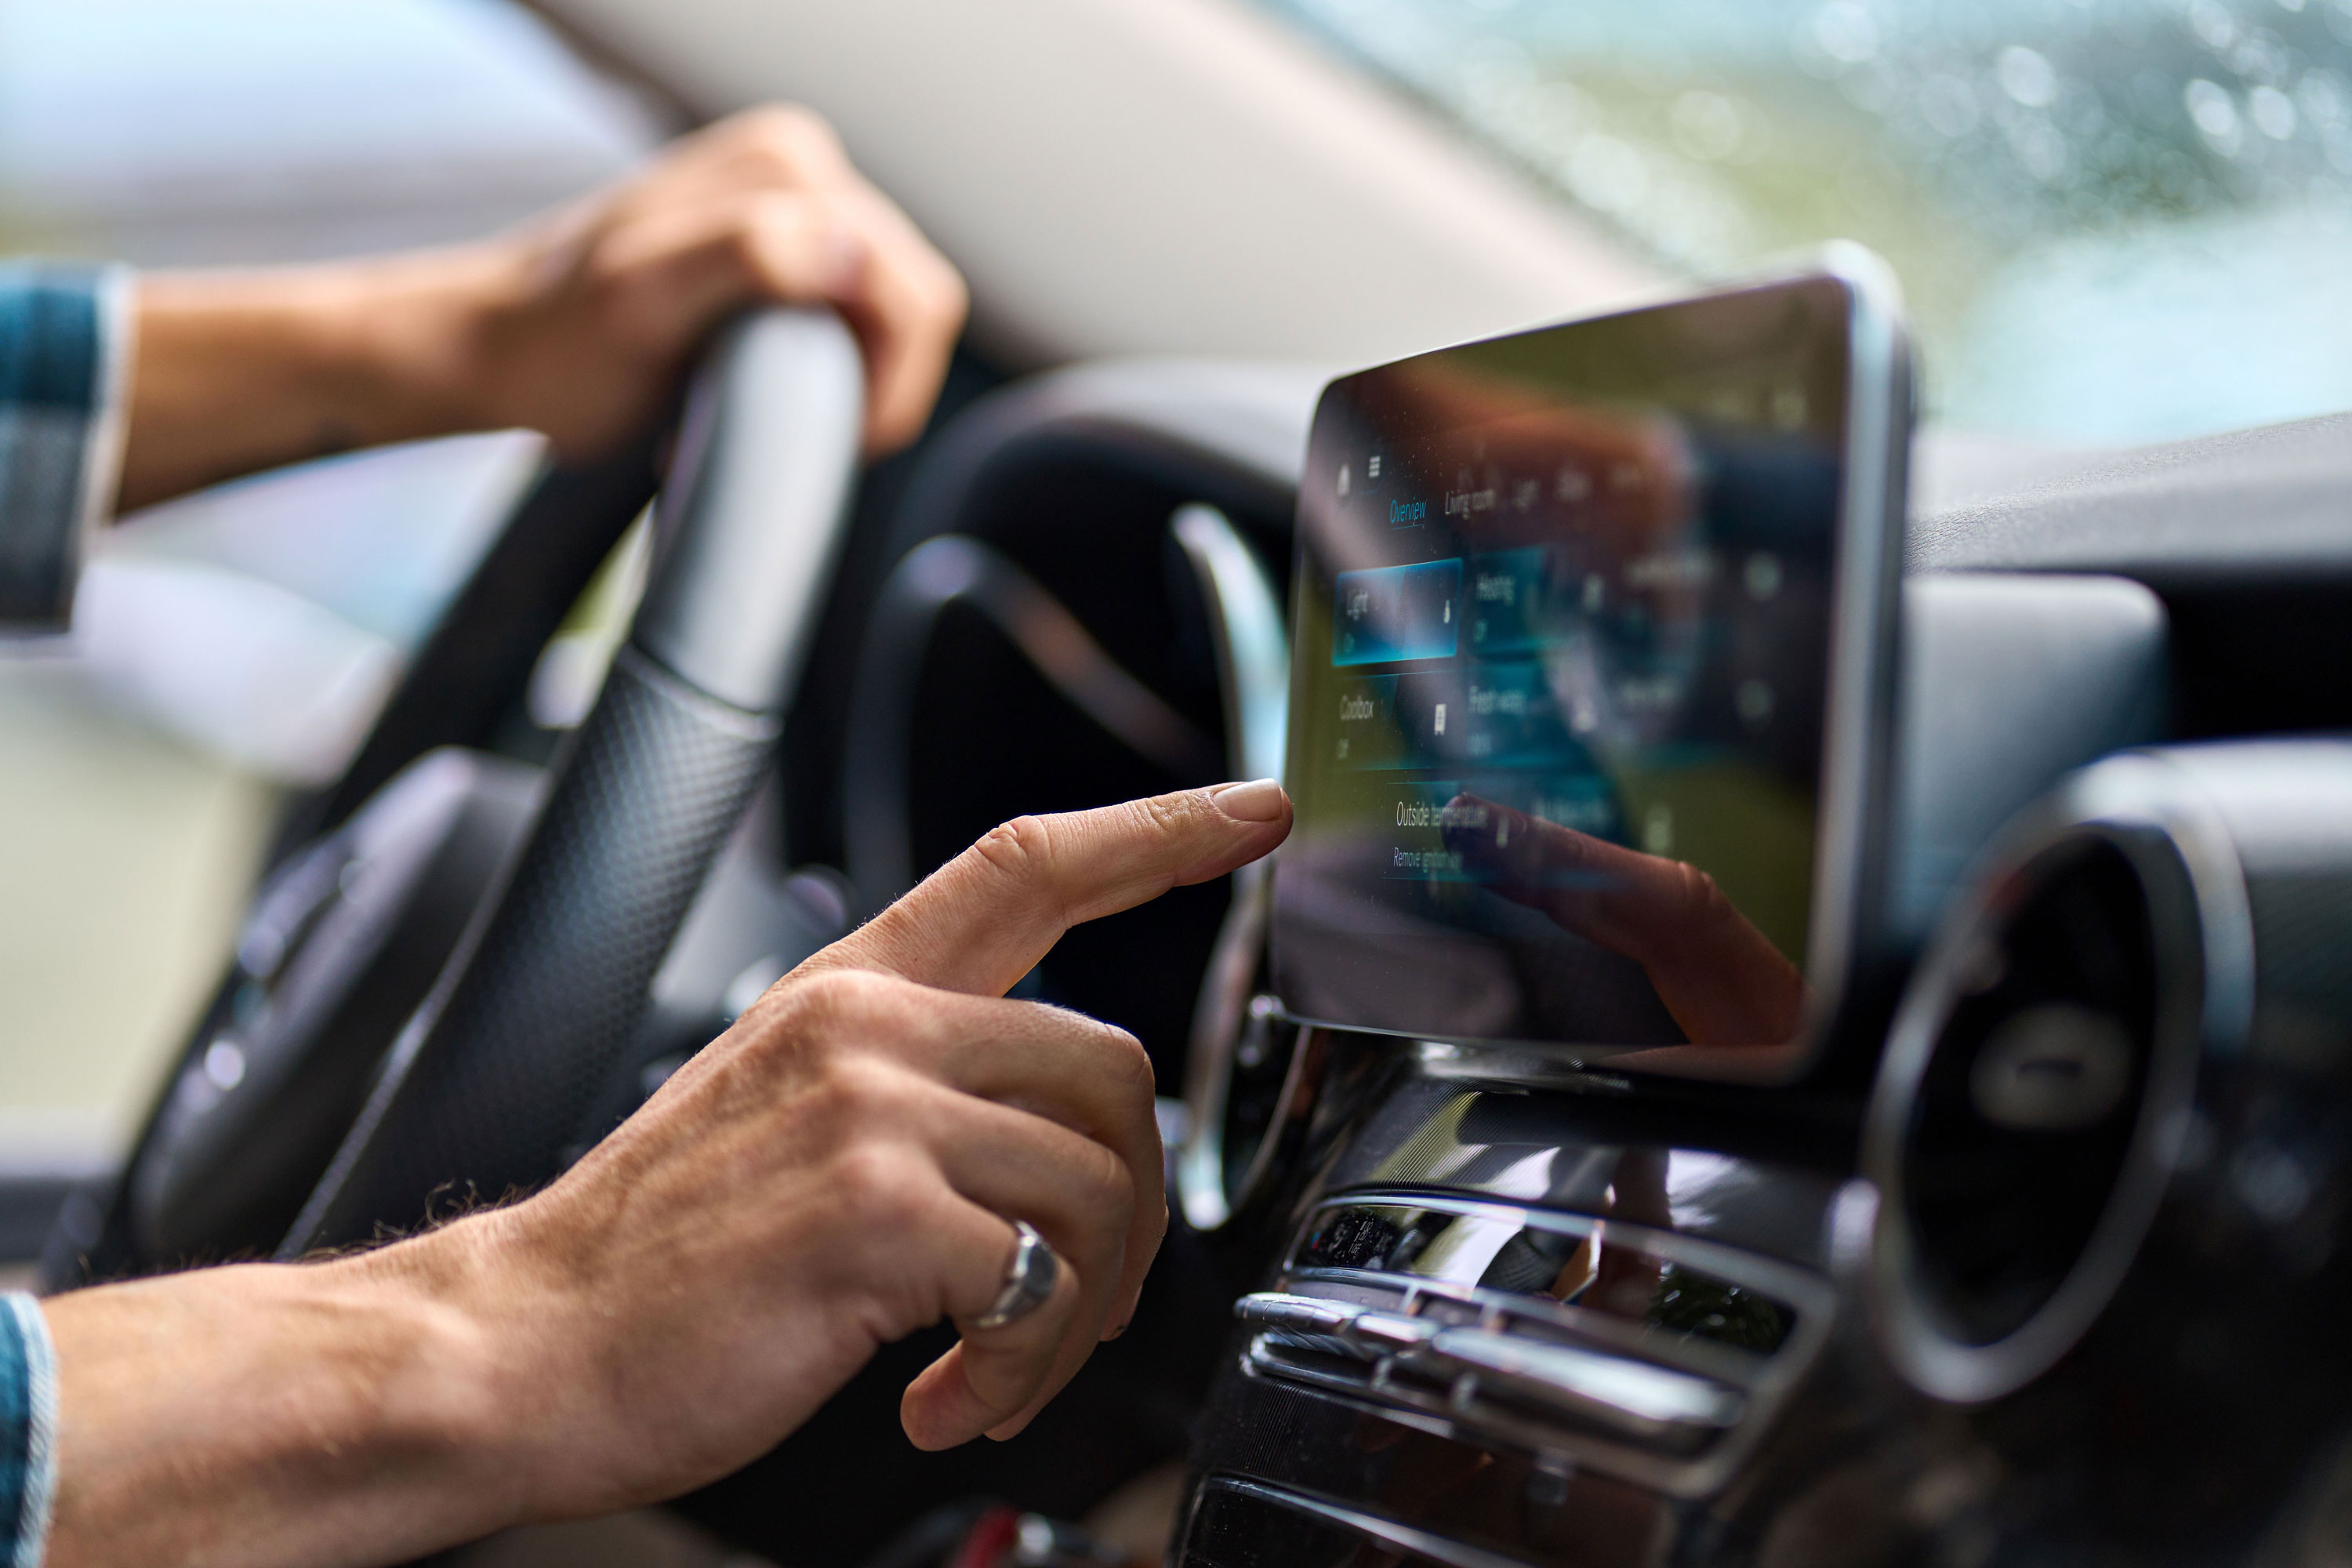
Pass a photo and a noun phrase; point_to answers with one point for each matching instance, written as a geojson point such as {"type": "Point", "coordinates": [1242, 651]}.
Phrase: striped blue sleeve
{"type": "Point", "coordinates": [64, 347]}
{"type": "Point", "coordinates": [28, 1432]}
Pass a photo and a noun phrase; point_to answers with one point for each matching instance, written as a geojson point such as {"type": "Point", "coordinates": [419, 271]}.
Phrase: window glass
{"type": "Point", "coordinates": [2116, 220]}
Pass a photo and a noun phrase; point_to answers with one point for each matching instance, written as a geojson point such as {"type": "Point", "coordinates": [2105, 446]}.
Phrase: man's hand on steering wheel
{"type": "Point", "coordinates": [577, 325]}
{"type": "Point", "coordinates": [844, 1166]}
{"type": "Point", "coordinates": [597, 308]}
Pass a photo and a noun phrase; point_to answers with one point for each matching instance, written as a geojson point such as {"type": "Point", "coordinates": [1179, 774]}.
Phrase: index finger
{"type": "Point", "coordinates": [983, 919]}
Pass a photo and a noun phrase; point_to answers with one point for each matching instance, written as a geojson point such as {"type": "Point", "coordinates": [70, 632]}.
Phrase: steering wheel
{"type": "Point", "coordinates": [439, 1001]}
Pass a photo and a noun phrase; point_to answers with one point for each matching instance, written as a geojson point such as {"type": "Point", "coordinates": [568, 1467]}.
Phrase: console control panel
{"type": "Point", "coordinates": [1639, 1352]}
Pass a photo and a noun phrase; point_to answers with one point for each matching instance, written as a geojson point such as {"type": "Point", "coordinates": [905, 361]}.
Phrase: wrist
{"type": "Point", "coordinates": [237, 371]}
{"type": "Point", "coordinates": [472, 1388]}
{"type": "Point", "coordinates": [404, 343]}
{"type": "Point", "coordinates": [524, 1386]}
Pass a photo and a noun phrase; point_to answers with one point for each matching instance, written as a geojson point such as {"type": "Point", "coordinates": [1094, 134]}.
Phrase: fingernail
{"type": "Point", "coordinates": [1258, 800]}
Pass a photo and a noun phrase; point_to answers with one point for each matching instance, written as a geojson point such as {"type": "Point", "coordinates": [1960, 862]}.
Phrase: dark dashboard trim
{"type": "Point", "coordinates": [1375, 1528]}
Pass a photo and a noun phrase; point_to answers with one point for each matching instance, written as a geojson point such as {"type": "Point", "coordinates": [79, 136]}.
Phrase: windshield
{"type": "Point", "coordinates": [2114, 220]}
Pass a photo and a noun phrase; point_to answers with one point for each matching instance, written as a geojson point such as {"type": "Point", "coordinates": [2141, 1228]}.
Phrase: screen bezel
{"type": "Point", "coordinates": [1853, 815]}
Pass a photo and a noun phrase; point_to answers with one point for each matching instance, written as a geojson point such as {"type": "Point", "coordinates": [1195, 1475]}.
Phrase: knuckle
{"type": "Point", "coordinates": [833, 1001]}
{"type": "Point", "coordinates": [1109, 1188]}
{"type": "Point", "coordinates": [954, 288]}
{"type": "Point", "coordinates": [766, 229]}
{"type": "Point", "coordinates": [793, 137]}
{"type": "Point", "coordinates": [1131, 1064]}
{"type": "Point", "coordinates": [1104, 1186]}
{"type": "Point", "coordinates": [951, 311]}
{"type": "Point", "coordinates": [791, 212]}
{"type": "Point", "coordinates": [746, 243]}
{"type": "Point", "coordinates": [1700, 894]}
{"type": "Point", "coordinates": [942, 298]}
{"type": "Point", "coordinates": [1021, 851]}
{"type": "Point", "coordinates": [1003, 1380]}
{"type": "Point", "coordinates": [878, 1188]}
{"type": "Point", "coordinates": [1171, 814]}
{"type": "Point", "coordinates": [1159, 1223]}
{"type": "Point", "coordinates": [786, 1027]}
{"type": "Point", "coordinates": [859, 1093]}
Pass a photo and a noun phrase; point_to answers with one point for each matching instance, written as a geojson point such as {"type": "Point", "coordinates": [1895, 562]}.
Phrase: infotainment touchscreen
{"type": "Point", "coordinates": [1588, 696]}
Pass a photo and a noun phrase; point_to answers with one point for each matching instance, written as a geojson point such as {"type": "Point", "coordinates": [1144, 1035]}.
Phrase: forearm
{"type": "Point", "coordinates": [844, 1166]}
{"type": "Point", "coordinates": [577, 326]}
{"type": "Point", "coordinates": [239, 371]}
{"type": "Point", "coordinates": [345, 1413]}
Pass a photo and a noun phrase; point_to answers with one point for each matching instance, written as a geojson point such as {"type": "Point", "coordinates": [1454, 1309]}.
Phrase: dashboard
{"type": "Point", "coordinates": [2038, 808]}
{"type": "Point", "coordinates": [1463, 1295]}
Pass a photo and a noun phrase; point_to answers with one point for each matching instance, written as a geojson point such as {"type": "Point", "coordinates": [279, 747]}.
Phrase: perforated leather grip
{"type": "Point", "coordinates": [490, 1087]}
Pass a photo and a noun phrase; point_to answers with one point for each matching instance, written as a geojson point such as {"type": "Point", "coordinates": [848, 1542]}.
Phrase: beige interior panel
{"type": "Point", "coordinates": [1163, 176]}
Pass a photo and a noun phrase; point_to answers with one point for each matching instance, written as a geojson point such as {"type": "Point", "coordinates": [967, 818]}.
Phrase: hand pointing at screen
{"type": "Point", "coordinates": [851, 1162]}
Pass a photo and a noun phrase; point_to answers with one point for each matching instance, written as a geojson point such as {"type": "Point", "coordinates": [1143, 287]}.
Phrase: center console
{"type": "Point", "coordinates": [1611, 1209]}
{"type": "Point", "coordinates": [1591, 745]}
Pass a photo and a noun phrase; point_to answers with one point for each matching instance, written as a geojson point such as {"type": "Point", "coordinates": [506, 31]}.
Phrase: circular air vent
{"type": "Point", "coordinates": [2039, 1073]}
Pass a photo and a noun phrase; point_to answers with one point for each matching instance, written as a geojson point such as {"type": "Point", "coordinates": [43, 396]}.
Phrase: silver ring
{"type": "Point", "coordinates": [1028, 1279]}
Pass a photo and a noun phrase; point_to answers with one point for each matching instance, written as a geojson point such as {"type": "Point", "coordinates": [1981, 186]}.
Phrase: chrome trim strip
{"type": "Point", "coordinates": [1635, 1397]}
{"type": "Point", "coordinates": [1249, 634]}
{"type": "Point", "coordinates": [1339, 1328]}
{"type": "Point", "coordinates": [1252, 639]}
{"type": "Point", "coordinates": [1390, 1334]}
{"type": "Point", "coordinates": [1724, 1363]}
{"type": "Point", "coordinates": [1219, 1016]}
{"type": "Point", "coordinates": [1486, 1425]}
{"type": "Point", "coordinates": [1297, 1314]}
{"type": "Point", "coordinates": [1856, 806]}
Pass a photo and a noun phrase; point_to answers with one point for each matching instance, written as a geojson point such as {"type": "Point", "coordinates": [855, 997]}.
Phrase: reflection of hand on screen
{"type": "Point", "coordinates": [1639, 463]}
{"type": "Point", "coordinates": [1722, 980]}
{"type": "Point", "coordinates": [1628, 479]}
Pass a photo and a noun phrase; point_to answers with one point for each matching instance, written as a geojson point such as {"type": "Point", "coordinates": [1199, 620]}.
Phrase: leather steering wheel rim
{"type": "Point", "coordinates": [506, 1069]}
{"type": "Point", "coordinates": [490, 1087]}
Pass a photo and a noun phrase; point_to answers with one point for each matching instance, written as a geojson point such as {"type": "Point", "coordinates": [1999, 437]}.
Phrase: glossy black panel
{"type": "Point", "coordinates": [1246, 1524]}
{"type": "Point", "coordinates": [1443, 1123]}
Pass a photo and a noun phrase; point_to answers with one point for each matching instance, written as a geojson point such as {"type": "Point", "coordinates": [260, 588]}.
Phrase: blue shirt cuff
{"type": "Point", "coordinates": [28, 1432]}
{"type": "Point", "coordinates": [65, 330]}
